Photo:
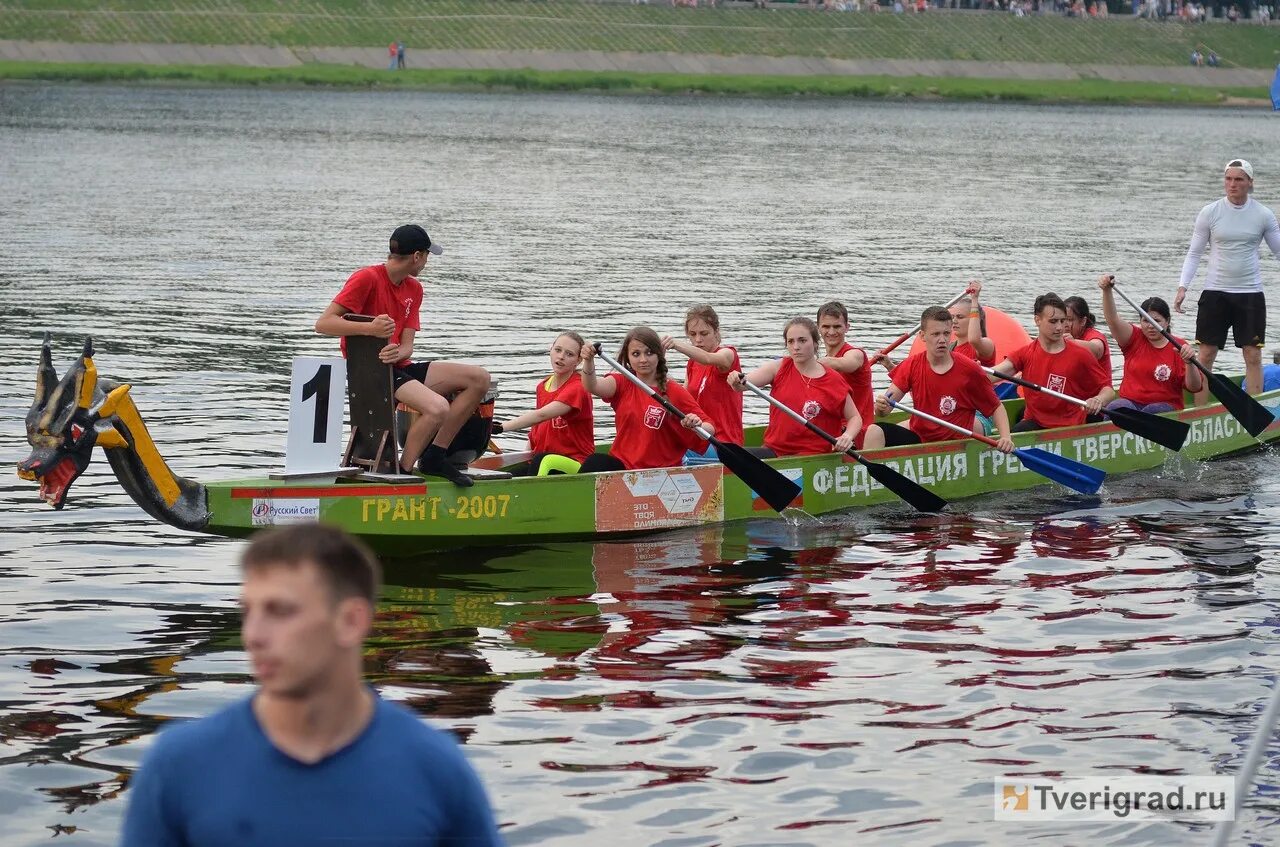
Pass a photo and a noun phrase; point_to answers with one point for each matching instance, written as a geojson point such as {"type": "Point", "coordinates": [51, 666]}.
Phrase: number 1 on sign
{"type": "Point", "coordinates": [318, 387]}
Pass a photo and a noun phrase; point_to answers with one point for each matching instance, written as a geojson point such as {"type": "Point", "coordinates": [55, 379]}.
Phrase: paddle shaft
{"type": "Point", "coordinates": [897, 342]}
{"type": "Point", "coordinates": [985, 439]}
{"type": "Point", "coordinates": [1195, 360]}
{"type": "Point", "coordinates": [1025, 384]}
{"type": "Point", "coordinates": [796, 416]}
{"type": "Point", "coordinates": [663, 401]}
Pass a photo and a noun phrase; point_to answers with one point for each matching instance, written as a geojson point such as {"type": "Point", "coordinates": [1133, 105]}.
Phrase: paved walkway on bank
{"type": "Point", "coordinates": [681, 63]}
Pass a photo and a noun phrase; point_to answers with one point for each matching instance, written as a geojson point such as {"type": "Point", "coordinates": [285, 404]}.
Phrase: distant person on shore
{"type": "Point", "coordinates": [1234, 228]}
{"type": "Point", "coordinates": [400, 55]}
{"type": "Point", "coordinates": [392, 56]}
{"type": "Point", "coordinates": [314, 756]}
{"type": "Point", "coordinates": [1213, 61]}
{"type": "Point", "coordinates": [1197, 59]}
{"type": "Point", "coordinates": [392, 294]}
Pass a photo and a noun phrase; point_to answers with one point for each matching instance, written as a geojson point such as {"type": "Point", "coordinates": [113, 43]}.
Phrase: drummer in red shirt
{"type": "Point", "coordinates": [802, 383]}
{"type": "Point", "coordinates": [945, 385]}
{"type": "Point", "coordinates": [850, 362]}
{"type": "Point", "coordinates": [1155, 371]}
{"type": "Point", "coordinates": [1066, 367]}
{"type": "Point", "coordinates": [706, 377]}
{"type": "Point", "coordinates": [647, 436]}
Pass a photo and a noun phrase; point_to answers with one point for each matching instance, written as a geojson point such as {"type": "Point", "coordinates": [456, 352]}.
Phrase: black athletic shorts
{"type": "Point", "coordinates": [412, 372]}
{"type": "Point", "coordinates": [897, 436]}
{"type": "Point", "coordinates": [1245, 313]}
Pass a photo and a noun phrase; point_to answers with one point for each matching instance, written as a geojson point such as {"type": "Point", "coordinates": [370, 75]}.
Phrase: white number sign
{"type": "Point", "coordinates": [317, 396]}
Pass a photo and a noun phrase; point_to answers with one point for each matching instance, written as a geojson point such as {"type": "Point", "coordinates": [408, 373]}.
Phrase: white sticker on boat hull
{"type": "Point", "coordinates": [280, 511]}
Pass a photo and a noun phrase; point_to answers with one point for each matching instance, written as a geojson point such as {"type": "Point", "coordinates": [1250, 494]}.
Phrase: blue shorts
{"type": "Point", "coordinates": [708, 458]}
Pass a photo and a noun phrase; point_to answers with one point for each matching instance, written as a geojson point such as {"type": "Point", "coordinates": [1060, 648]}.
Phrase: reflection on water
{"type": "Point", "coordinates": [860, 678]}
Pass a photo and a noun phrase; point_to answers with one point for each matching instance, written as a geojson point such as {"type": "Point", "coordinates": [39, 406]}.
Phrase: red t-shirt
{"type": "Point", "coordinates": [1152, 374]}
{"type": "Point", "coordinates": [953, 396]}
{"type": "Point", "coordinates": [966, 350]}
{"type": "Point", "coordinates": [648, 436]}
{"type": "Point", "coordinates": [369, 292]}
{"type": "Point", "coordinates": [1093, 333]}
{"type": "Point", "coordinates": [710, 387]}
{"type": "Point", "coordinates": [820, 400]}
{"type": "Point", "coordinates": [859, 383]}
{"type": "Point", "coordinates": [1073, 370]}
{"type": "Point", "coordinates": [571, 434]}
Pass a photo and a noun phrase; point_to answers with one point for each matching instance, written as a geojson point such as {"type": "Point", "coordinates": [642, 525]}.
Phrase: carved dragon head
{"type": "Point", "coordinates": [62, 424]}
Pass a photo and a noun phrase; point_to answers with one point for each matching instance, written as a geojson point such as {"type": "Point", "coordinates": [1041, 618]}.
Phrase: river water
{"type": "Point", "coordinates": [862, 679]}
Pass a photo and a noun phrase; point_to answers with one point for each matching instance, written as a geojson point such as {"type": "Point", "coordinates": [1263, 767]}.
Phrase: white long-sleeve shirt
{"type": "Point", "coordinates": [1234, 235]}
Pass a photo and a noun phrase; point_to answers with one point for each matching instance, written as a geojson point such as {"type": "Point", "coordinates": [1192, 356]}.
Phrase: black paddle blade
{"type": "Point", "coordinates": [917, 495]}
{"type": "Point", "coordinates": [766, 481]}
{"type": "Point", "coordinates": [1074, 475]}
{"type": "Point", "coordinates": [1253, 416]}
{"type": "Point", "coordinates": [1167, 432]}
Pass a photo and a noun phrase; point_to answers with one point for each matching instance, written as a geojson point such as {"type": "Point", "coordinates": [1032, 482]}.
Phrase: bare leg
{"type": "Point", "coordinates": [874, 439]}
{"type": "Point", "coordinates": [1253, 369]}
{"type": "Point", "coordinates": [470, 382]}
{"type": "Point", "coordinates": [432, 410]}
{"type": "Point", "coordinates": [1208, 354]}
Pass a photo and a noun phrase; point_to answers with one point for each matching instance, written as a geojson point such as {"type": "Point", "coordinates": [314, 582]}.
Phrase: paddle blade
{"type": "Point", "coordinates": [1253, 416]}
{"type": "Point", "coordinates": [1074, 475]}
{"type": "Point", "coordinates": [766, 481]}
{"type": "Point", "coordinates": [917, 495]}
{"type": "Point", "coordinates": [1167, 432]}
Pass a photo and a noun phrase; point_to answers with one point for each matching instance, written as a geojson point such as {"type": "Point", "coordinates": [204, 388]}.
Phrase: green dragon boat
{"type": "Point", "coordinates": [70, 417]}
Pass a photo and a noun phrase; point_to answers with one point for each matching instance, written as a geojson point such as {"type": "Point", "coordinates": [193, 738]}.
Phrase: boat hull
{"type": "Point", "coordinates": [432, 514]}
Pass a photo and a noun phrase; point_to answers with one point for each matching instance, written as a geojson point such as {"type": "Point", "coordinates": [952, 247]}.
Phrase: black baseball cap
{"type": "Point", "coordinates": [411, 238]}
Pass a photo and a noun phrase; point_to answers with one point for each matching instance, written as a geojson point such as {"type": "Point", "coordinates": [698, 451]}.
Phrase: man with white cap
{"type": "Point", "coordinates": [1233, 228]}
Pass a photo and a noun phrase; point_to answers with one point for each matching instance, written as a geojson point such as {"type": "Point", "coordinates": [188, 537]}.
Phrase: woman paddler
{"type": "Point", "coordinates": [805, 385]}
{"type": "Point", "coordinates": [706, 377]}
{"type": "Point", "coordinates": [647, 436]}
{"type": "Point", "coordinates": [1155, 371]}
{"type": "Point", "coordinates": [969, 320]}
{"type": "Point", "coordinates": [1082, 329]}
{"type": "Point", "coordinates": [563, 432]}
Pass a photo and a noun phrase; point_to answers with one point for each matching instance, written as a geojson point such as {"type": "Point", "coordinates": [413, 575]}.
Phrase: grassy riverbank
{"type": "Point", "coordinates": [574, 25]}
{"type": "Point", "coordinates": [1043, 91]}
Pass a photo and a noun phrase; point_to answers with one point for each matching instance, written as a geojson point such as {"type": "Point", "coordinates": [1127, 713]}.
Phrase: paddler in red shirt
{"type": "Point", "coordinates": [706, 377]}
{"type": "Point", "coordinates": [1054, 362]}
{"type": "Point", "coordinates": [561, 427]}
{"type": "Point", "coordinates": [1155, 371]}
{"type": "Point", "coordinates": [1082, 329]}
{"type": "Point", "coordinates": [647, 436]}
{"type": "Point", "coordinates": [970, 323]}
{"type": "Point", "coordinates": [842, 357]}
{"type": "Point", "coordinates": [802, 383]}
{"type": "Point", "coordinates": [942, 384]}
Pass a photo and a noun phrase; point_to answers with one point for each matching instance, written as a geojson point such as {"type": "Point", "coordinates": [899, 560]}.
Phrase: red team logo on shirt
{"type": "Point", "coordinates": [947, 405]}
{"type": "Point", "coordinates": [811, 409]}
{"type": "Point", "coordinates": [1057, 383]}
{"type": "Point", "coordinates": [653, 417]}
{"type": "Point", "coordinates": [1163, 372]}
{"type": "Point", "coordinates": [559, 423]}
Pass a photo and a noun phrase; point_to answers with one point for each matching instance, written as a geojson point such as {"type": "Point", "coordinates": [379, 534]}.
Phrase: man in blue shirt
{"type": "Point", "coordinates": [314, 757]}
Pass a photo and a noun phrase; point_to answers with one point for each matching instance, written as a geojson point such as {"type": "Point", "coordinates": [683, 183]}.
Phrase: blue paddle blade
{"type": "Point", "coordinates": [1074, 475]}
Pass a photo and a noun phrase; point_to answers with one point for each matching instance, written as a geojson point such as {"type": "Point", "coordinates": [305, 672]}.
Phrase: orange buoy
{"type": "Point", "coordinates": [1004, 330]}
